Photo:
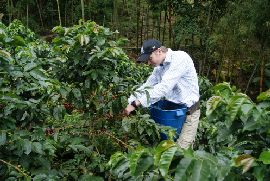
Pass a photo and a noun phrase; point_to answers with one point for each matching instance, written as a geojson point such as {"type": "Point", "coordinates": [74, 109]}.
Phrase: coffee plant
{"type": "Point", "coordinates": [167, 161]}
{"type": "Point", "coordinates": [234, 124]}
{"type": "Point", "coordinates": [61, 117]}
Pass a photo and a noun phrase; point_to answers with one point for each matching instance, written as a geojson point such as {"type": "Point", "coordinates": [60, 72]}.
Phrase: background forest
{"type": "Point", "coordinates": [67, 68]}
{"type": "Point", "coordinates": [228, 40]}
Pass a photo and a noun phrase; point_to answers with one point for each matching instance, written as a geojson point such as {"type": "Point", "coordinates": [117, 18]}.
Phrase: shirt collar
{"type": "Point", "coordinates": [168, 57]}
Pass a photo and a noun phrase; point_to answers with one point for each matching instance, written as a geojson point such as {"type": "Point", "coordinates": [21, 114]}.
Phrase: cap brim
{"type": "Point", "coordinates": [143, 57]}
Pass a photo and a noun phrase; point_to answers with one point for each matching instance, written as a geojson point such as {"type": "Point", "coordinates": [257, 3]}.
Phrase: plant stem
{"type": "Point", "coordinates": [15, 167]}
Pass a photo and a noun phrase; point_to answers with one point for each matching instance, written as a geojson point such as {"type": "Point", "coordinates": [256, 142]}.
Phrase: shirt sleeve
{"type": "Point", "coordinates": [150, 82]}
{"type": "Point", "coordinates": [169, 81]}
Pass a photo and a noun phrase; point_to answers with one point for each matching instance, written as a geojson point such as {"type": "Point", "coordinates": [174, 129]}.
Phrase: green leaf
{"type": "Point", "coordinates": [152, 176]}
{"type": "Point", "coordinates": [18, 41]}
{"type": "Point", "coordinates": [201, 170]}
{"type": "Point", "coordinates": [126, 126]}
{"type": "Point", "coordinates": [37, 74]}
{"type": "Point", "coordinates": [202, 155]}
{"type": "Point", "coordinates": [247, 108]}
{"type": "Point", "coordinates": [224, 90]}
{"type": "Point", "coordinates": [115, 159]}
{"type": "Point", "coordinates": [256, 120]}
{"type": "Point", "coordinates": [144, 163]}
{"type": "Point", "coordinates": [235, 105]}
{"type": "Point", "coordinates": [264, 96]}
{"type": "Point", "coordinates": [40, 177]}
{"type": "Point", "coordinates": [64, 92]}
{"type": "Point", "coordinates": [44, 83]}
{"type": "Point", "coordinates": [94, 75]}
{"type": "Point", "coordinates": [81, 39]}
{"type": "Point", "coordinates": [90, 177]}
{"type": "Point", "coordinates": [25, 114]}
{"type": "Point", "coordinates": [17, 74]}
{"type": "Point", "coordinates": [83, 148]}
{"type": "Point", "coordinates": [37, 148]}
{"type": "Point", "coordinates": [164, 145]}
{"type": "Point", "coordinates": [30, 66]}
{"type": "Point", "coordinates": [58, 112]}
{"type": "Point", "coordinates": [133, 159]}
{"type": "Point", "coordinates": [77, 94]}
{"type": "Point", "coordinates": [265, 157]}
{"type": "Point", "coordinates": [244, 160]}
{"type": "Point", "coordinates": [5, 55]}
{"type": "Point", "coordinates": [27, 147]}
{"type": "Point", "coordinates": [140, 129]}
{"type": "Point", "coordinates": [3, 138]}
{"type": "Point", "coordinates": [100, 41]}
{"type": "Point", "coordinates": [166, 159]}
{"type": "Point", "coordinates": [122, 167]}
{"type": "Point", "coordinates": [212, 104]}
{"type": "Point", "coordinates": [182, 168]}
{"type": "Point", "coordinates": [250, 125]}
{"type": "Point", "coordinates": [259, 173]}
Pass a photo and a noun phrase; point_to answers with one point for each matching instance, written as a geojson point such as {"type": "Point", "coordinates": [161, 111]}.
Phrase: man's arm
{"type": "Point", "coordinates": [133, 101]}
{"type": "Point", "coordinates": [169, 80]}
{"type": "Point", "coordinates": [151, 81]}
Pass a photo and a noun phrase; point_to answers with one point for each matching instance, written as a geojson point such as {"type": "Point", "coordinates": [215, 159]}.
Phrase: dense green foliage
{"type": "Point", "coordinates": [61, 116]}
{"type": "Point", "coordinates": [168, 161]}
{"type": "Point", "coordinates": [55, 110]}
{"type": "Point", "coordinates": [227, 39]}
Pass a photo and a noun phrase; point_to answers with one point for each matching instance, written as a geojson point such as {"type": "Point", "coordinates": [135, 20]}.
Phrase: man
{"type": "Point", "coordinates": [174, 78]}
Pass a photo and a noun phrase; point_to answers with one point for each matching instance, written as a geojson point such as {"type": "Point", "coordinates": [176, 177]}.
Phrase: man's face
{"type": "Point", "coordinates": [155, 58]}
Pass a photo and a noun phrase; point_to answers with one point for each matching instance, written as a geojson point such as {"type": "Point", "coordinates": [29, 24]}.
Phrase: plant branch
{"type": "Point", "coordinates": [15, 167]}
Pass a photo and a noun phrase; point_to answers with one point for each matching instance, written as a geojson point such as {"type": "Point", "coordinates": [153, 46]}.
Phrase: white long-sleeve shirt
{"type": "Point", "coordinates": [175, 80]}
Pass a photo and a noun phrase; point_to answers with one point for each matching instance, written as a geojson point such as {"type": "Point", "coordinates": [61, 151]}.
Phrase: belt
{"type": "Point", "coordinates": [193, 108]}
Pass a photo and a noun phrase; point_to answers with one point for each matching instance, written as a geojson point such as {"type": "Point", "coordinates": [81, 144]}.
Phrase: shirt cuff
{"type": "Point", "coordinates": [131, 99]}
{"type": "Point", "coordinates": [143, 101]}
{"type": "Point", "coordinates": [147, 103]}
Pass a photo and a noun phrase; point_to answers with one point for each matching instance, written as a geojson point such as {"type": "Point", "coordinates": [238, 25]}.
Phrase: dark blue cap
{"type": "Point", "coordinates": [147, 48]}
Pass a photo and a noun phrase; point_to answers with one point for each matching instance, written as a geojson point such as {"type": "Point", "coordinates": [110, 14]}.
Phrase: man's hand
{"type": "Point", "coordinates": [129, 109]}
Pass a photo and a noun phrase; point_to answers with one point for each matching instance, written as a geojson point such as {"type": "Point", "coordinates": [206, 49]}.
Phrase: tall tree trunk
{"type": "Point", "coordinates": [147, 21]}
{"type": "Point", "coordinates": [82, 7]}
{"type": "Point", "coordinates": [138, 3]}
{"type": "Point", "coordinates": [72, 12]}
{"type": "Point", "coordinates": [170, 21]}
{"type": "Point", "coordinates": [27, 15]}
{"type": "Point", "coordinates": [164, 26]}
{"type": "Point", "coordinates": [59, 14]}
{"type": "Point", "coordinates": [262, 75]}
{"type": "Point", "coordinates": [89, 5]}
{"type": "Point", "coordinates": [142, 21]}
{"type": "Point", "coordinates": [203, 63]}
{"type": "Point", "coordinates": [115, 16]}
{"type": "Point", "coordinates": [10, 10]}
{"type": "Point", "coordinates": [159, 24]}
{"type": "Point", "coordinates": [219, 70]}
{"type": "Point", "coordinates": [153, 25]}
{"type": "Point", "coordinates": [66, 5]}
{"type": "Point", "coordinates": [39, 12]}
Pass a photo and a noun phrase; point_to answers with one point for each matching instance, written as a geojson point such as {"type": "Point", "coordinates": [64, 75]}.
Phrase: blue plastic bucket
{"type": "Point", "coordinates": [169, 114]}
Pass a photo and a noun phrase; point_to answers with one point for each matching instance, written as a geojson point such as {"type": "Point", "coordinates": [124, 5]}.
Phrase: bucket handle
{"type": "Point", "coordinates": [178, 113]}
